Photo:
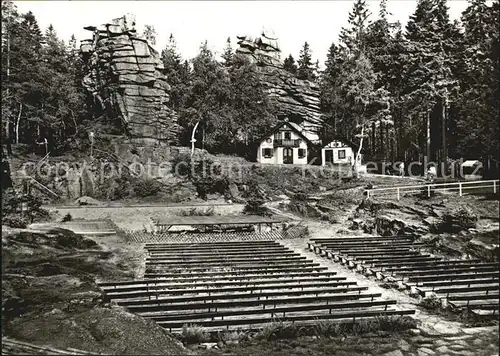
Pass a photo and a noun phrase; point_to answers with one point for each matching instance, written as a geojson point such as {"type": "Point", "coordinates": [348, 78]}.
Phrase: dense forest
{"type": "Point", "coordinates": [429, 89]}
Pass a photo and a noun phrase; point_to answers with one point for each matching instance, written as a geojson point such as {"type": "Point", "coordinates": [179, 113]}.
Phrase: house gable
{"type": "Point", "coordinates": [286, 126]}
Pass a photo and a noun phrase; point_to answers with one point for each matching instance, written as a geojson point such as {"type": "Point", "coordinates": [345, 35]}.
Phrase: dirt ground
{"type": "Point", "coordinates": [50, 295]}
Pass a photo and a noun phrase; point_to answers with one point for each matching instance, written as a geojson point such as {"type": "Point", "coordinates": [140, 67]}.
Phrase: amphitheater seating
{"type": "Point", "coordinates": [241, 284]}
{"type": "Point", "coordinates": [465, 283]}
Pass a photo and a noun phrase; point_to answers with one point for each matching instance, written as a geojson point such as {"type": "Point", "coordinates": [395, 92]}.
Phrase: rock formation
{"type": "Point", "coordinates": [124, 76]}
{"type": "Point", "coordinates": [295, 98]}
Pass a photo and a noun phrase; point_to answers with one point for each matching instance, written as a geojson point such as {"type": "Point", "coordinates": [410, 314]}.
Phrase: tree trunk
{"type": "Point", "coordinates": [374, 142]}
{"type": "Point", "coordinates": [357, 159]}
{"type": "Point", "coordinates": [382, 142]}
{"type": "Point", "coordinates": [17, 122]}
{"type": "Point", "coordinates": [428, 135]}
{"type": "Point", "coordinates": [443, 132]}
{"type": "Point", "coordinates": [7, 121]}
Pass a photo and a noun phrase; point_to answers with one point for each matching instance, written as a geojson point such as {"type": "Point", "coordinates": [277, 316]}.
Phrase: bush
{"type": "Point", "coordinates": [15, 221]}
{"type": "Point", "coordinates": [14, 216]}
{"type": "Point", "coordinates": [193, 334]}
{"type": "Point", "coordinates": [327, 328]}
{"type": "Point", "coordinates": [197, 212]}
{"type": "Point", "coordinates": [147, 187]}
{"type": "Point", "coordinates": [458, 219]}
{"type": "Point", "coordinates": [255, 201]}
{"type": "Point", "coordinates": [67, 217]}
{"type": "Point", "coordinates": [278, 330]}
{"type": "Point", "coordinates": [431, 302]}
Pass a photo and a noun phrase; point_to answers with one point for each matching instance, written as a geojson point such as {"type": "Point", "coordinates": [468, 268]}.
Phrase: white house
{"type": "Point", "coordinates": [338, 151]}
{"type": "Point", "coordinates": [286, 144]}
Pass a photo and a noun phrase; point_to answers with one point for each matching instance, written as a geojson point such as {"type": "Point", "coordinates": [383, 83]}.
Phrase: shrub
{"type": "Point", "coordinates": [278, 330]}
{"type": "Point", "coordinates": [14, 216]}
{"type": "Point", "coordinates": [255, 201]}
{"type": "Point", "coordinates": [458, 219]}
{"type": "Point", "coordinates": [327, 328]}
{"type": "Point", "coordinates": [67, 217]}
{"type": "Point", "coordinates": [147, 187]}
{"type": "Point", "coordinates": [193, 334]}
{"type": "Point", "coordinates": [197, 212]}
{"type": "Point", "coordinates": [431, 302]}
{"type": "Point", "coordinates": [15, 221]}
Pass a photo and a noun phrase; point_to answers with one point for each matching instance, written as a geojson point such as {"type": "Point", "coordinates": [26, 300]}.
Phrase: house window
{"type": "Point", "coordinates": [328, 156]}
{"type": "Point", "coordinates": [269, 140]}
{"type": "Point", "coordinates": [277, 135]}
{"type": "Point", "coordinates": [267, 152]}
{"type": "Point", "coordinates": [288, 135]}
{"type": "Point", "coordinates": [341, 154]}
{"type": "Point", "coordinates": [302, 152]}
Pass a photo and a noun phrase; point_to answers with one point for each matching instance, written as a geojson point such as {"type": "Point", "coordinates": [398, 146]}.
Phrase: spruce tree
{"type": "Point", "coordinates": [177, 74]}
{"type": "Point", "coordinates": [353, 37]}
{"type": "Point", "coordinates": [289, 64]}
{"type": "Point", "coordinates": [429, 69]}
{"type": "Point", "coordinates": [479, 92]}
{"type": "Point", "coordinates": [305, 66]}
{"type": "Point", "coordinates": [227, 56]}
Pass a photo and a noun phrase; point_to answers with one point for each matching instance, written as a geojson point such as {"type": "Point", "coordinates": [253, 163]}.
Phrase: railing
{"type": "Point", "coordinates": [286, 143]}
{"type": "Point", "coordinates": [460, 187]}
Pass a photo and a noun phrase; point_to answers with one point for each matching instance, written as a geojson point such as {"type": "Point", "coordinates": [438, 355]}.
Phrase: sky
{"type": "Point", "coordinates": [193, 22]}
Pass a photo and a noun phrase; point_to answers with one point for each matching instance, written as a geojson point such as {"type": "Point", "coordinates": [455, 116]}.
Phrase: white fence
{"type": "Point", "coordinates": [459, 187]}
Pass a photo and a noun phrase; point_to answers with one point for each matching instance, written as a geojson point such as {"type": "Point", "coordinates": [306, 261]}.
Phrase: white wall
{"type": "Point", "coordinates": [278, 151]}
{"type": "Point", "coordinates": [337, 146]}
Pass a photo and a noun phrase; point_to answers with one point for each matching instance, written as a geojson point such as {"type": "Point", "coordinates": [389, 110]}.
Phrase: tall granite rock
{"type": "Point", "coordinates": [124, 76]}
{"type": "Point", "coordinates": [296, 99]}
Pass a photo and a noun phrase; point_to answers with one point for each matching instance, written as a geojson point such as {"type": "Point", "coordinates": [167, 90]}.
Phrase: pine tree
{"type": "Point", "coordinates": [305, 66]}
{"type": "Point", "coordinates": [150, 34]}
{"type": "Point", "coordinates": [208, 102]}
{"type": "Point", "coordinates": [429, 75]}
{"type": "Point", "coordinates": [10, 23]}
{"type": "Point", "coordinates": [478, 137]}
{"type": "Point", "coordinates": [227, 56]}
{"type": "Point", "coordinates": [353, 37]}
{"type": "Point", "coordinates": [329, 92]}
{"type": "Point", "coordinates": [177, 74]}
{"type": "Point", "coordinates": [289, 64]}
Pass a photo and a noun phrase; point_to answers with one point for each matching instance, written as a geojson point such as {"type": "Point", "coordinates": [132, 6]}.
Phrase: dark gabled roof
{"type": "Point", "coordinates": [343, 139]}
{"type": "Point", "coordinates": [292, 127]}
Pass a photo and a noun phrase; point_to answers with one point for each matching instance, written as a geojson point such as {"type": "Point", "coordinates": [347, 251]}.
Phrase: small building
{"type": "Point", "coordinates": [285, 144]}
{"type": "Point", "coordinates": [338, 151]}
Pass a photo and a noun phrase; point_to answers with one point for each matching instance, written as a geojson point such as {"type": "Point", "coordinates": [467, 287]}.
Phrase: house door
{"type": "Point", "coordinates": [288, 155]}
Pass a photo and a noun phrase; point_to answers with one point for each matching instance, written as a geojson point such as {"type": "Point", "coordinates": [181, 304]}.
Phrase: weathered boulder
{"type": "Point", "coordinates": [294, 98]}
{"type": "Point", "coordinates": [123, 75]}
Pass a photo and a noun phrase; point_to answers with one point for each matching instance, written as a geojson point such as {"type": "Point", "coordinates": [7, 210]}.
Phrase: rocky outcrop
{"type": "Point", "coordinates": [123, 74]}
{"type": "Point", "coordinates": [295, 98]}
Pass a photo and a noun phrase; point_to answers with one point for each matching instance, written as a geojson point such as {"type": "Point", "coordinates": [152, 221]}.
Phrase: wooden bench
{"type": "Point", "coordinates": [149, 293]}
{"type": "Point", "coordinates": [451, 276]}
{"type": "Point", "coordinates": [279, 311]}
{"type": "Point", "coordinates": [254, 282]}
{"type": "Point", "coordinates": [266, 294]}
{"type": "Point", "coordinates": [276, 251]}
{"type": "Point", "coordinates": [173, 260]}
{"type": "Point", "coordinates": [451, 290]}
{"type": "Point", "coordinates": [216, 305]}
{"type": "Point", "coordinates": [447, 270]}
{"type": "Point", "coordinates": [352, 315]}
{"type": "Point", "coordinates": [440, 264]}
{"type": "Point", "coordinates": [236, 264]}
{"type": "Point", "coordinates": [233, 271]}
{"type": "Point", "coordinates": [204, 277]}
{"type": "Point", "coordinates": [467, 282]}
